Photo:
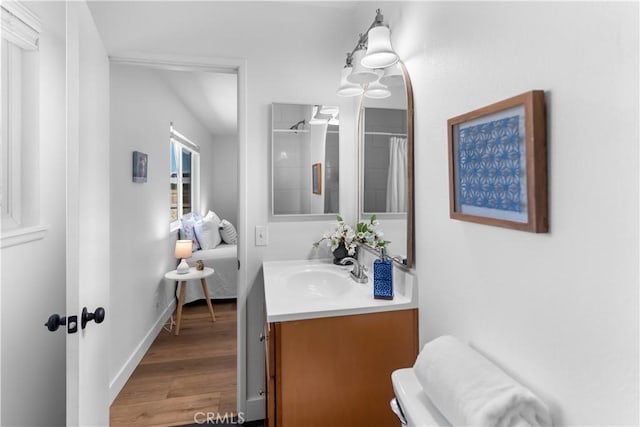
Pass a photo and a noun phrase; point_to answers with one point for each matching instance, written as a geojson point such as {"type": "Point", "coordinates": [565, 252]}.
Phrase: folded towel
{"type": "Point", "coordinates": [469, 390]}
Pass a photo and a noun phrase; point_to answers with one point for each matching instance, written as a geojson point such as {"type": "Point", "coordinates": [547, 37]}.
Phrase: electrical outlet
{"type": "Point", "coordinates": [262, 235]}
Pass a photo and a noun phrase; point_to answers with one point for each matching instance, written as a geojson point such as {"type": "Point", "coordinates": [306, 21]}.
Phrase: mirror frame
{"type": "Point", "coordinates": [410, 255]}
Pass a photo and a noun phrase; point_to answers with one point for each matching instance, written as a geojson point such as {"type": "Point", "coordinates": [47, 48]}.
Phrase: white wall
{"type": "Point", "coordinates": [223, 196]}
{"type": "Point", "coordinates": [33, 274]}
{"type": "Point", "coordinates": [141, 244]}
{"type": "Point", "coordinates": [558, 311]}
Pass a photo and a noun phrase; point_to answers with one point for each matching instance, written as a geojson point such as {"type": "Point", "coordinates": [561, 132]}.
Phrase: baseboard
{"type": "Point", "coordinates": [127, 369]}
{"type": "Point", "coordinates": [255, 409]}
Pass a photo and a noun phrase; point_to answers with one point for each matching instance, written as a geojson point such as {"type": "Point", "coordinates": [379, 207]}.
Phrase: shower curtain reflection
{"type": "Point", "coordinates": [397, 175]}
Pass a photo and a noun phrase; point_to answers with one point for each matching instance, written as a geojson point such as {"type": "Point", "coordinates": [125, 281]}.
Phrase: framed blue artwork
{"type": "Point", "coordinates": [498, 164]}
{"type": "Point", "coordinates": [140, 164]}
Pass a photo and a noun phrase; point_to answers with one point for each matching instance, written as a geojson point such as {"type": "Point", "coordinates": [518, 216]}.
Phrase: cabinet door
{"type": "Point", "coordinates": [336, 371]}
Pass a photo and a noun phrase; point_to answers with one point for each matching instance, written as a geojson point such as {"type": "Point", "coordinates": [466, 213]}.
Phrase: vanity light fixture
{"type": "Point", "coordinates": [323, 114]}
{"type": "Point", "coordinates": [346, 87]}
{"type": "Point", "coordinates": [392, 76]}
{"type": "Point", "coordinates": [360, 74]}
{"type": "Point", "coordinates": [368, 61]}
{"type": "Point", "coordinates": [380, 54]}
{"type": "Point", "coordinates": [331, 110]}
{"type": "Point", "coordinates": [377, 90]}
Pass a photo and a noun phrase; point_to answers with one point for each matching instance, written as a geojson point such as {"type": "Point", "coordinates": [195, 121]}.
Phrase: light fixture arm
{"type": "Point", "coordinates": [372, 54]}
{"type": "Point", "coordinates": [364, 37]}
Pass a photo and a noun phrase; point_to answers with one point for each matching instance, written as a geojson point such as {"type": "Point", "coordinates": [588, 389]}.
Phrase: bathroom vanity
{"type": "Point", "coordinates": [331, 347]}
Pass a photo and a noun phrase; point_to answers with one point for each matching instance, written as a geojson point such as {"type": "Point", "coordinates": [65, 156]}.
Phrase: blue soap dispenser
{"type": "Point", "coordinates": [383, 276]}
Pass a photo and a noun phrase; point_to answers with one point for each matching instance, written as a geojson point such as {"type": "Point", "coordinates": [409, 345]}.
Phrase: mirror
{"type": "Point", "coordinates": [304, 159]}
{"type": "Point", "coordinates": [385, 131]}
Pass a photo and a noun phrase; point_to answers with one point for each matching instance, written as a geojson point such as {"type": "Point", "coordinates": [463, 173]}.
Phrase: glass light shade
{"type": "Point", "coordinates": [380, 54]}
{"type": "Point", "coordinates": [329, 109]}
{"type": "Point", "coordinates": [347, 88]}
{"type": "Point", "coordinates": [377, 90]}
{"type": "Point", "coordinates": [360, 74]}
{"type": "Point", "coordinates": [183, 249]}
{"type": "Point", "coordinates": [392, 76]}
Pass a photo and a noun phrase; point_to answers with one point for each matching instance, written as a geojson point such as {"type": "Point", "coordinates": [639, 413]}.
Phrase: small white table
{"type": "Point", "coordinates": [193, 274]}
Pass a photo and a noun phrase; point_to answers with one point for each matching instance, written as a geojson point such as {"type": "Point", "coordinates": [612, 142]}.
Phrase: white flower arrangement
{"type": "Point", "coordinates": [365, 232]}
{"type": "Point", "coordinates": [343, 234]}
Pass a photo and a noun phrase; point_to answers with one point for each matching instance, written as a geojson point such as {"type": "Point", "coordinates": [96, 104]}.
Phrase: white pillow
{"type": "Point", "coordinates": [212, 215]}
{"type": "Point", "coordinates": [209, 235]}
{"type": "Point", "coordinates": [228, 232]}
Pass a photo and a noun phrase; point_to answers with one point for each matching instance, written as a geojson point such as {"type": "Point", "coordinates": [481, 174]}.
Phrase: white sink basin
{"type": "Point", "coordinates": [319, 283]}
{"type": "Point", "coordinates": [304, 289]}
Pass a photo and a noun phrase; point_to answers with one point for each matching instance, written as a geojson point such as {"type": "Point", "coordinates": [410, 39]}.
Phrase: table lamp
{"type": "Point", "coordinates": [183, 251]}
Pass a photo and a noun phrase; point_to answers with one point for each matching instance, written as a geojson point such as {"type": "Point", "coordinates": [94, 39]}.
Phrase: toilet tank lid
{"type": "Point", "coordinates": [417, 408]}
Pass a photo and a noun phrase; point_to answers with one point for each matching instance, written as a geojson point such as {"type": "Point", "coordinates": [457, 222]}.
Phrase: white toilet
{"type": "Point", "coordinates": [467, 387]}
{"type": "Point", "coordinates": [411, 404]}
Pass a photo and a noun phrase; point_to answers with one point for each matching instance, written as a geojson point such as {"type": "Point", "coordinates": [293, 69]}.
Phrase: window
{"type": "Point", "coordinates": [20, 125]}
{"type": "Point", "coordinates": [184, 178]}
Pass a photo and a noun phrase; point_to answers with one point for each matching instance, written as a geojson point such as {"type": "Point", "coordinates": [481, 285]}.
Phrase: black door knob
{"type": "Point", "coordinates": [97, 316]}
{"type": "Point", "coordinates": [55, 321]}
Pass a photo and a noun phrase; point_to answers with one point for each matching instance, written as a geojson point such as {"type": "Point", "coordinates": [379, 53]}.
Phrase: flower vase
{"type": "Point", "coordinates": [341, 252]}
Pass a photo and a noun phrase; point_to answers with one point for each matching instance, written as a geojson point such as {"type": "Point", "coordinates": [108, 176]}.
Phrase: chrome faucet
{"type": "Point", "coordinates": [357, 273]}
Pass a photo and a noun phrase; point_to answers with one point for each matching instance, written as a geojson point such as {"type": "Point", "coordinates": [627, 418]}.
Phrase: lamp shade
{"type": "Point", "coordinates": [380, 54]}
{"type": "Point", "coordinates": [331, 110]}
{"type": "Point", "coordinates": [360, 74]}
{"type": "Point", "coordinates": [377, 90]}
{"type": "Point", "coordinates": [347, 88]}
{"type": "Point", "coordinates": [392, 76]}
{"type": "Point", "coordinates": [184, 249]}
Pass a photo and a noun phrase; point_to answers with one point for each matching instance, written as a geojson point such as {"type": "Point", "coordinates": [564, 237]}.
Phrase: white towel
{"type": "Point", "coordinates": [469, 390]}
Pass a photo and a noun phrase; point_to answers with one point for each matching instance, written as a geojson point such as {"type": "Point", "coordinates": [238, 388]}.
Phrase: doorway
{"type": "Point", "coordinates": [140, 92]}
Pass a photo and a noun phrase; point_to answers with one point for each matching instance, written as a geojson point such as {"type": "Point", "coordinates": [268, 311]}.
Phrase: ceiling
{"type": "Point", "coordinates": [210, 97]}
{"type": "Point", "coordinates": [222, 29]}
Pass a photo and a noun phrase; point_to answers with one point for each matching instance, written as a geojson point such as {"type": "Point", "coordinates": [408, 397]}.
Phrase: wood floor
{"type": "Point", "coordinates": [183, 375]}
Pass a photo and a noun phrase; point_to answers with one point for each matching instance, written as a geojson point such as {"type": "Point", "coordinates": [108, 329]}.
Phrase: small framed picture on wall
{"type": "Point", "coordinates": [140, 165]}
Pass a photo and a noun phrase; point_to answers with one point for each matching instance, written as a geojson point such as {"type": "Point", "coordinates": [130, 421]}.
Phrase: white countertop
{"type": "Point", "coordinates": [309, 289]}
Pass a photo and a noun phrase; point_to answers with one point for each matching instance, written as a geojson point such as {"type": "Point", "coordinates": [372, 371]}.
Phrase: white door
{"type": "Point", "coordinates": [87, 218]}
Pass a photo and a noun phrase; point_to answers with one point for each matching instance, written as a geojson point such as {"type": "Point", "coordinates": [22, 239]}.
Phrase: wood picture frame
{"type": "Point", "coordinates": [498, 164]}
{"type": "Point", "coordinates": [316, 177]}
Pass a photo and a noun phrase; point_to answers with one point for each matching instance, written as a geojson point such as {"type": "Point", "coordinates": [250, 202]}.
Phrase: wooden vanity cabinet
{"type": "Point", "coordinates": [336, 371]}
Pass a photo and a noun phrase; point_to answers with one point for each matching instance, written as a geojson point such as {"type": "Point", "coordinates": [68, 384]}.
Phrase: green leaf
{"type": "Point", "coordinates": [373, 218]}
{"type": "Point", "coordinates": [339, 218]}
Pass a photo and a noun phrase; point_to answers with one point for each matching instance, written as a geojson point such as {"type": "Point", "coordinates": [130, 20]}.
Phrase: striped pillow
{"type": "Point", "coordinates": [228, 232]}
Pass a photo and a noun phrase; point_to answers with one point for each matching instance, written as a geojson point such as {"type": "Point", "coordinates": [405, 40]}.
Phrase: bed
{"type": "Point", "coordinates": [223, 283]}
